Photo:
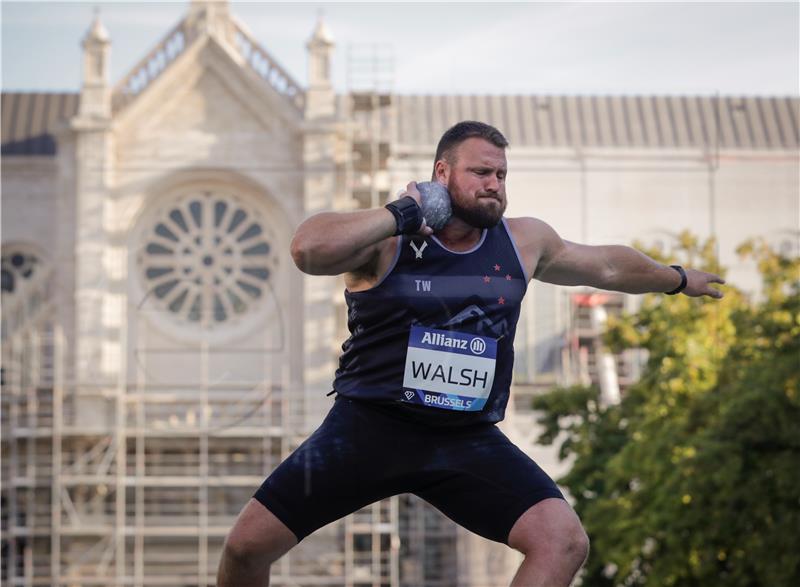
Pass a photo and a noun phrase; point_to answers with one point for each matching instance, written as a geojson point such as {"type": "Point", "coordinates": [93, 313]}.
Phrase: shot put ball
{"type": "Point", "coordinates": [435, 204]}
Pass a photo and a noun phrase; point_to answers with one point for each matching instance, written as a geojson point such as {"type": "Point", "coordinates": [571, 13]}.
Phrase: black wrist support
{"type": "Point", "coordinates": [682, 286]}
{"type": "Point", "coordinates": [407, 214]}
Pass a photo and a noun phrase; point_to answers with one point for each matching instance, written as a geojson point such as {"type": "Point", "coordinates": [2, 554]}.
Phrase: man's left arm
{"type": "Point", "coordinates": [610, 267]}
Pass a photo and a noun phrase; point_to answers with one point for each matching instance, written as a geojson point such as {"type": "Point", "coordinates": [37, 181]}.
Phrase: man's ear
{"type": "Point", "coordinates": [441, 171]}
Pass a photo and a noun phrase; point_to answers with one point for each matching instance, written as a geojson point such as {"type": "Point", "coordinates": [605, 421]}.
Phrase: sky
{"type": "Point", "coordinates": [745, 48]}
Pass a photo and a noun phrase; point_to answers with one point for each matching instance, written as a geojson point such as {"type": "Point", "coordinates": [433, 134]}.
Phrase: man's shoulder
{"type": "Point", "coordinates": [523, 221]}
{"type": "Point", "coordinates": [527, 229]}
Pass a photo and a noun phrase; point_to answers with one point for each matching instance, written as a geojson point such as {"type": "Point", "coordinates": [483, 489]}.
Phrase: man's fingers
{"type": "Point", "coordinates": [714, 293]}
{"type": "Point", "coordinates": [411, 190]}
{"type": "Point", "coordinates": [425, 230]}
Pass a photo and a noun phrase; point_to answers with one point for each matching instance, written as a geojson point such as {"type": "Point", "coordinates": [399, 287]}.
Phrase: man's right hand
{"type": "Point", "coordinates": [411, 190]}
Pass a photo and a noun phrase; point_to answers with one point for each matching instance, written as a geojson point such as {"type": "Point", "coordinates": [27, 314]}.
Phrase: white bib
{"type": "Point", "coordinates": [449, 370]}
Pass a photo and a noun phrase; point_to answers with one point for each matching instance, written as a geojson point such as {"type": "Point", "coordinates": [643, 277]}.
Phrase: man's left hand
{"type": "Point", "coordinates": [697, 284]}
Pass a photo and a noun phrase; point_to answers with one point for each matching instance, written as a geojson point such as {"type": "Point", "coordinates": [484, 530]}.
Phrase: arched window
{"type": "Point", "coordinates": [18, 266]}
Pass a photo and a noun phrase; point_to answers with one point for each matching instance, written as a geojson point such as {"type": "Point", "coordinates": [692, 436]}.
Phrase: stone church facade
{"type": "Point", "coordinates": [161, 354]}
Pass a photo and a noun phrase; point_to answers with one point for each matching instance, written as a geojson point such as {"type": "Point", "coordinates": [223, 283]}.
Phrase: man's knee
{"type": "Point", "coordinates": [568, 542]}
{"type": "Point", "coordinates": [575, 544]}
{"type": "Point", "coordinates": [551, 529]}
{"type": "Point", "coordinates": [246, 554]}
{"type": "Point", "coordinates": [257, 539]}
{"type": "Point", "coordinates": [250, 557]}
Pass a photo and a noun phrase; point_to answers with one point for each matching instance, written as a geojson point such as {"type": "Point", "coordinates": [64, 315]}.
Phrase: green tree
{"type": "Point", "coordinates": [693, 479]}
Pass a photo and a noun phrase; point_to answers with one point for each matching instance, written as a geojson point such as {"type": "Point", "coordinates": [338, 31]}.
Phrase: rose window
{"type": "Point", "coordinates": [207, 259]}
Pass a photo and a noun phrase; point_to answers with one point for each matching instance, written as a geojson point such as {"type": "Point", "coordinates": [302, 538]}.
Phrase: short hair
{"type": "Point", "coordinates": [467, 129]}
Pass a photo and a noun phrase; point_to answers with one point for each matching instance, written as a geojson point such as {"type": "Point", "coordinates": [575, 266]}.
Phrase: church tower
{"type": "Point", "coordinates": [95, 91]}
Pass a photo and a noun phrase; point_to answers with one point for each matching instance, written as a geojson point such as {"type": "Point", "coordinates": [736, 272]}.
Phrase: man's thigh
{"type": "Point", "coordinates": [486, 483]}
{"type": "Point", "coordinates": [335, 472]}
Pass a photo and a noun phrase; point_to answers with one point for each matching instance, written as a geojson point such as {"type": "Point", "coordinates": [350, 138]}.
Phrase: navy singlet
{"type": "Point", "coordinates": [380, 439]}
{"type": "Point", "coordinates": [434, 302]}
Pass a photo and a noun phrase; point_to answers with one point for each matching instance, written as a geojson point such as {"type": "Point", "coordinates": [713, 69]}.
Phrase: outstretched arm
{"type": "Point", "coordinates": [611, 267]}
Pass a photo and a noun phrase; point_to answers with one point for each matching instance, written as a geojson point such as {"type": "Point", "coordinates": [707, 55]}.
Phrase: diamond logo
{"type": "Point", "coordinates": [409, 394]}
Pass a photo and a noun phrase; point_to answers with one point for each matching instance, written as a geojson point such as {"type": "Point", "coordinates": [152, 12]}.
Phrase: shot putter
{"type": "Point", "coordinates": [436, 207]}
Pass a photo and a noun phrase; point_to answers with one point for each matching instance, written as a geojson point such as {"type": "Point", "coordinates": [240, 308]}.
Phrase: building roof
{"type": "Point", "coordinates": [609, 121]}
{"type": "Point", "coordinates": [678, 122]}
{"type": "Point", "coordinates": [29, 120]}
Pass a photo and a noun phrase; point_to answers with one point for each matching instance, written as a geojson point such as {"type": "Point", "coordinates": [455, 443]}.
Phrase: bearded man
{"type": "Point", "coordinates": [425, 375]}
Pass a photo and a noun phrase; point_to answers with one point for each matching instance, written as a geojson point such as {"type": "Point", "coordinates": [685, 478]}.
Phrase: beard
{"type": "Point", "coordinates": [475, 212]}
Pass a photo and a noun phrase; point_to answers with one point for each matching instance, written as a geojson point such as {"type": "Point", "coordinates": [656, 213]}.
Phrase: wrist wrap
{"type": "Point", "coordinates": [682, 286]}
{"type": "Point", "coordinates": [407, 214]}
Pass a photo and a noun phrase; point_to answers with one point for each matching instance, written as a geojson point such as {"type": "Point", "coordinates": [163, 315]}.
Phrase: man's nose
{"type": "Point", "coordinates": [492, 184]}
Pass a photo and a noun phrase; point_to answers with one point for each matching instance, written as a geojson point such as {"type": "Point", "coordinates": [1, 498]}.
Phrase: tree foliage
{"type": "Point", "coordinates": [693, 479]}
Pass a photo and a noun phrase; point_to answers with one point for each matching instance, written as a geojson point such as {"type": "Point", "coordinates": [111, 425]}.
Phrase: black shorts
{"type": "Point", "coordinates": [360, 455]}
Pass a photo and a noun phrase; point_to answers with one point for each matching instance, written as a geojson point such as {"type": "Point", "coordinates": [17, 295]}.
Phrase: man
{"type": "Point", "coordinates": [425, 374]}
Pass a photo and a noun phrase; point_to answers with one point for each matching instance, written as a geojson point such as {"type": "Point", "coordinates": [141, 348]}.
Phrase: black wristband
{"type": "Point", "coordinates": [682, 286]}
{"type": "Point", "coordinates": [407, 215]}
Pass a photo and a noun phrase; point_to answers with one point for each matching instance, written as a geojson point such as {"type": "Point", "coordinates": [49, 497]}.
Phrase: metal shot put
{"type": "Point", "coordinates": [434, 282]}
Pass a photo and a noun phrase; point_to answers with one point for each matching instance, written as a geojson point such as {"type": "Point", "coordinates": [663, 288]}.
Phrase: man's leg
{"type": "Point", "coordinates": [336, 471]}
{"type": "Point", "coordinates": [256, 541]}
{"type": "Point", "coordinates": [554, 543]}
{"type": "Point", "coordinates": [484, 483]}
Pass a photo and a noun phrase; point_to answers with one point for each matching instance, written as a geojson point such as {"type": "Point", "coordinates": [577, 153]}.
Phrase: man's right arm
{"type": "Point", "coordinates": [331, 243]}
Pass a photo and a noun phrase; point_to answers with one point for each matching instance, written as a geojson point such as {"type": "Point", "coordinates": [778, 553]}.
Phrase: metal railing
{"type": "Point", "coordinates": [152, 65]}
{"type": "Point", "coordinates": [266, 67]}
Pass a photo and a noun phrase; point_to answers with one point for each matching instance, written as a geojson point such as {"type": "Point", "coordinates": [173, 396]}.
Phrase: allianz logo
{"type": "Point", "coordinates": [477, 346]}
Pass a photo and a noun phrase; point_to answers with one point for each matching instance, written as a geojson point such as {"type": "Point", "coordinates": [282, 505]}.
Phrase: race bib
{"type": "Point", "coordinates": [449, 370]}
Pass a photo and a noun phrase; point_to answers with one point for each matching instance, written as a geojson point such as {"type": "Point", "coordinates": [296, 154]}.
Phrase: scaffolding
{"type": "Point", "coordinates": [371, 116]}
{"type": "Point", "coordinates": [31, 381]}
{"type": "Point", "coordinates": [97, 503]}
{"type": "Point", "coordinates": [371, 536]}
{"type": "Point", "coordinates": [585, 358]}
{"type": "Point", "coordinates": [136, 483]}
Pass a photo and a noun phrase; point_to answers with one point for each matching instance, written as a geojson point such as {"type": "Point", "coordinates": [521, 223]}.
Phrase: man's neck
{"type": "Point", "coordinates": [458, 235]}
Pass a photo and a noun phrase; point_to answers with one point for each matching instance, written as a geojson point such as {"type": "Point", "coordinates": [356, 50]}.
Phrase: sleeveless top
{"type": "Point", "coordinates": [433, 340]}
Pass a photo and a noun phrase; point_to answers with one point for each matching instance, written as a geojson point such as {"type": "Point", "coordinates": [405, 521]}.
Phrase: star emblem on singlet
{"type": "Point", "coordinates": [501, 300]}
{"type": "Point", "coordinates": [486, 279]}
{"type": "Point", "coordinates": [496, 267]}
{"type": "Point", "coordinates": [508, 277]}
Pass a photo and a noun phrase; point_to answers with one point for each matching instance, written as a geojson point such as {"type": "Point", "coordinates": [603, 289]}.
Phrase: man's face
{"type": "Point", "coordinates": [476, 181]}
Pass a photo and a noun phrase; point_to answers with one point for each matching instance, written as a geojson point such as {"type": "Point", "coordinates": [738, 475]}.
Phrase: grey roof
{"type": "Point", "coordinates": [535, 121]}
{"type": "Point", "coordinates": [608, 121]}
{"type": "Point", "coordinates": [30, 118]}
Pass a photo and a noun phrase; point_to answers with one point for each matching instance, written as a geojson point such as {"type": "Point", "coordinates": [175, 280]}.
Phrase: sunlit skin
{"type": "Point", "coordinates": [475, 175]}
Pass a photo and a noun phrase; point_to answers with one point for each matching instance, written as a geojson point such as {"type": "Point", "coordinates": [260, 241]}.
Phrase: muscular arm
{"type": "Point", "coordinates": [331, 243]}
{"type": "Point", "coordinates": [358, 243]}
{"type": "Point", "coordinates": [613, 267]}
